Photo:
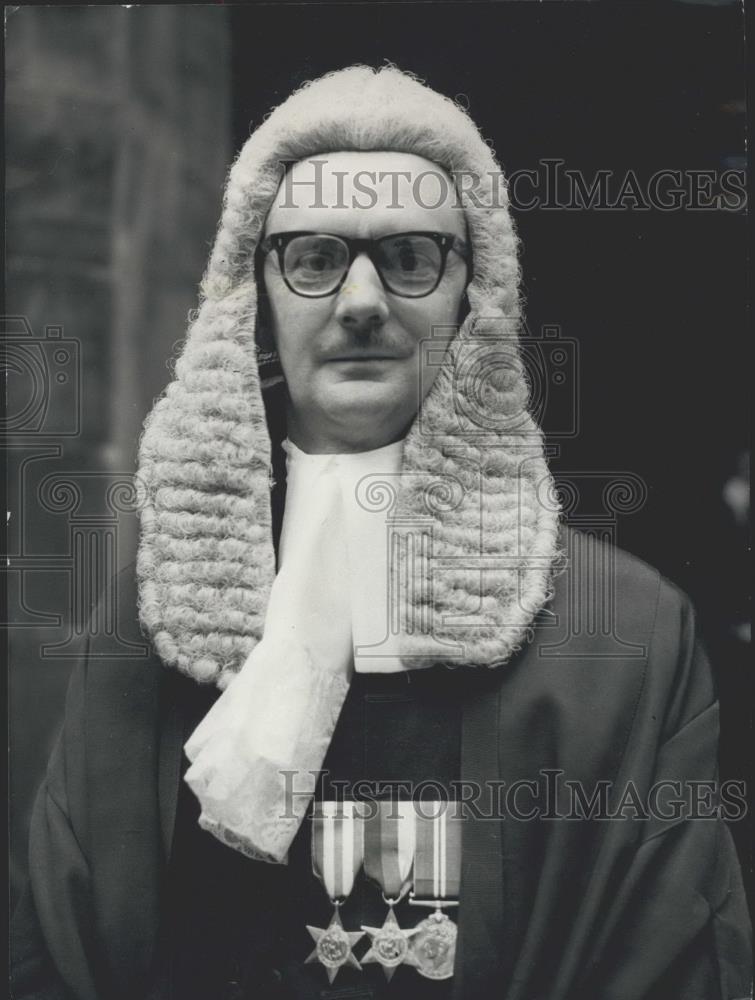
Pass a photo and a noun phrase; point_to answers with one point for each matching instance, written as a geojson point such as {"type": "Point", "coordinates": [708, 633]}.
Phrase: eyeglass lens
{"type": "Point", "coordinates": [409, 264]}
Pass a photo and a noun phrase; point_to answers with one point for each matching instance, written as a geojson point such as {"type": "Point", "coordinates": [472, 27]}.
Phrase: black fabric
{"type": "Point", "coordinates": [237, 928]}
{"type": "Point", "coordinates": [627, 909]}
{"type": "Point", "coordinates": [34, 974]}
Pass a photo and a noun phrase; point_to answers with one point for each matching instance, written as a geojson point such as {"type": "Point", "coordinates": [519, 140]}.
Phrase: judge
{"type": "Point", "coordinates": [357, 587]}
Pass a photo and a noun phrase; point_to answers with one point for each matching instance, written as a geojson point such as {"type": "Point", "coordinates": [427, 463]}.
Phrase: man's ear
{"type": "Point", "coordinates": [263, 332]}
{"type": "Point", "coordinates": [264, 335]}
{"type": "Point", "coordinates": [268, 361]}
{"type": "Point", "coordinates": [464, 309]}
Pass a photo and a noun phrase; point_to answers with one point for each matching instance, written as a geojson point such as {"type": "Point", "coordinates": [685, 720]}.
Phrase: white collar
{"type": "Point", "coordinates": [328, 614]}
{"type": "Point", "coordinates": [386, 454]}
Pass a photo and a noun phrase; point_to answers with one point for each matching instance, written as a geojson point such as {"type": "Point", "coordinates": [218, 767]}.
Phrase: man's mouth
{"type": "Point", "coordinates": [368, 354]}
{"type": "Point", "coordinates": [364, 357]}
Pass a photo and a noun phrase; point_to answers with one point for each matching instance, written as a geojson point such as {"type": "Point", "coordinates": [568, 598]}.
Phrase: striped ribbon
{"type": "Point", "coordinates": [337, 845]}
{"type": "Point", "coordinates": [389, 846]}
{"type": "Point", "coordinates": [437, 853]}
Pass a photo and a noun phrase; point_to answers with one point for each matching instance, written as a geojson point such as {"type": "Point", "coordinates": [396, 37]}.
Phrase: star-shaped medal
{"type": "Point", "coordinates": [333, 946]}
{"type": "Point", "coordinates": [389, 945]}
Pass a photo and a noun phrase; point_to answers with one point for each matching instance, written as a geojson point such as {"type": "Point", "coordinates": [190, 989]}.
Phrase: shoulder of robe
{"type": "Point", "coordinates": [610, 654]}
{"type": "Point", "coordinates": [123, 677]}
{"type": "Point", "coordinates": [610, 597]}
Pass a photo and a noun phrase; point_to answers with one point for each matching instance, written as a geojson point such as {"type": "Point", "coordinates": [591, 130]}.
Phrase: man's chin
{"type": "Point", "coordinates": [366, 397]}
{"type": "Point", "coordinates": [366, 413]}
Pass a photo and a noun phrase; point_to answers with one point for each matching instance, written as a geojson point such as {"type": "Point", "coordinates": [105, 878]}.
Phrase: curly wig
{"type": "Point", "coordinates": [475, 512]}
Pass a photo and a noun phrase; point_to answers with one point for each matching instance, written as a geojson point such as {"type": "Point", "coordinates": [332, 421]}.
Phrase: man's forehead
{"type": "Point", "coordinates": [366, 194]}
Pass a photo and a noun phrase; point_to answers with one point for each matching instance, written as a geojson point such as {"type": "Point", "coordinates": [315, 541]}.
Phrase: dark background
{"type": "Point", "coordinates": [651, 302]}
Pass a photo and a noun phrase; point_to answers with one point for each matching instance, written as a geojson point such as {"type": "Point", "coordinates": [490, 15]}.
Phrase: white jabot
{"type": "Point", "coordinates": [328, 614]}
{"type": "Point", "coordinates": [337, 503]}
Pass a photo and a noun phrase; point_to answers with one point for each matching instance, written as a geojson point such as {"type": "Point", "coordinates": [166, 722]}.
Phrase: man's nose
{"type": "Point", "coordinates": [361, 301]}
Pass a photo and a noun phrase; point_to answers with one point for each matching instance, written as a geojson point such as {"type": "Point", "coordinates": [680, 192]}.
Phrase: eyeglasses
{"type": "Point", "coordinates": [409, 264]}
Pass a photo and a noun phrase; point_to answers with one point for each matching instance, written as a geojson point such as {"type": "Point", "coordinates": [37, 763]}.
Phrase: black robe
{"type": "Point", "coordinates": [614, 687]}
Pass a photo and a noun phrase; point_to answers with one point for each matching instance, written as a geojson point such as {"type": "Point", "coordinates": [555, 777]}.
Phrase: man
{"type": "Point", "coordinates": [390, 616]}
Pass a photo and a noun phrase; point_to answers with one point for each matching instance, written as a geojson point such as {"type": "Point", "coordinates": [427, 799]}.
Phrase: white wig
{"type": "Point", "coordinates": [475, 505]}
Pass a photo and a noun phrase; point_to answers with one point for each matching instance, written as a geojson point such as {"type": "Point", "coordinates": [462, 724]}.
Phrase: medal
{"type": "Point", "coordinates": [388, 855]}
{"type": "Point", "coordinates": [337, 848]}
{"type": "Point", "coordinates": [437, 877]}
{"type": "Point", "coordinates": [333, 945]}
{"type": "Point", "coordinates": [433, 947]}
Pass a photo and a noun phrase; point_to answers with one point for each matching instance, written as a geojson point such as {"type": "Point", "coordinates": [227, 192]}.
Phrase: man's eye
{"type": "Point", "coordinates": [413, 260]}
{"type": "Point", "coordinates": [315, 261]}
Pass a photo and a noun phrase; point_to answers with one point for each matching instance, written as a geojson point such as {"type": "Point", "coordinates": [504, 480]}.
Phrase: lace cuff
{"type": "Point", "coordinates": [257, 754]}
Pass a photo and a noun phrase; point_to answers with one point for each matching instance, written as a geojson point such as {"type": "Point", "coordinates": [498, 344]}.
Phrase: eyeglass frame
{"type": "Point", "coordinates": [446, 242]}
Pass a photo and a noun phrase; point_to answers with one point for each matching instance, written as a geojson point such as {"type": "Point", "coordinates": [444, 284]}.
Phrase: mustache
{"type": "Point", "coordinates": [372, 340]}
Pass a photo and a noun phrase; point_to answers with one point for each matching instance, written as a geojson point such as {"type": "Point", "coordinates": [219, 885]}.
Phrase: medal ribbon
{"type": "Point", "coordinates": [337, 845]}
{"type": "Point", "coordinates": [389, 846]}
{"type": "Point", "coordinates": [437, 856]}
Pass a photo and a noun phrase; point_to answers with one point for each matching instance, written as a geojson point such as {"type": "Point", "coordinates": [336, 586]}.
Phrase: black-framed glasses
{"type": "Point", "coordinates": [409, 264]}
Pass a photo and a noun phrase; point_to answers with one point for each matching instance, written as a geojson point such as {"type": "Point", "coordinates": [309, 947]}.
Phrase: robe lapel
{"type": "Point", "coordinates": [122, 751]}
{"type": "Point", "coordinates": [477, 969]}
{"type": "Point", "coordinates": [172, 738]}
